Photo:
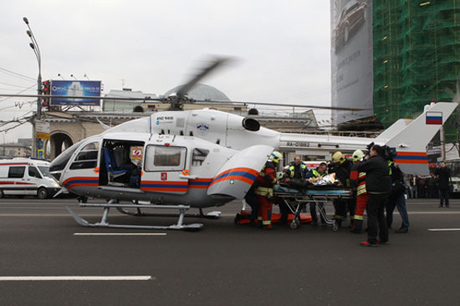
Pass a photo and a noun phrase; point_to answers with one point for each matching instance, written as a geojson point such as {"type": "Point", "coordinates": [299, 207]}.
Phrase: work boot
{"type": "Point", "coordinates": [357, 226]}
{"type": "Point", "coordinates": [367, 244]}
{"type": "Point", "coordinates": [402, 230]}
{"type": "Point", "coordinates": [237, 219]}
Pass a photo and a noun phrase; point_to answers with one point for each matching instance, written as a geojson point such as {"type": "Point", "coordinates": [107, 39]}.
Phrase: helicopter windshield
{"type": "Point", "coordinates": [59, 163]}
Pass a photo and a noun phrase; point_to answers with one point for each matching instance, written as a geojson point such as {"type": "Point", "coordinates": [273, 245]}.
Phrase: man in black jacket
{"type": "Point", "coordinates": [397, 198]}
{"type": "Point", "coordinates": [378, 185]}
{"type": "Point", "coordinates": [443, 175]}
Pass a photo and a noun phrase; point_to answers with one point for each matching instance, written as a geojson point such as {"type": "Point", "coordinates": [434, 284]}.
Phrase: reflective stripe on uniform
{"type": "Point", "coordinates": [361, 189]}
{"type": "Point", "coordinates": [315, 173]}
{"type": "Point", "coordinates": [292, 168]}
{"type": "Point", "coordinates": [264, 191]}
{"type": "Point", "coordinates": [358, 217]}
{"type": "Point", "coordinates": [362, 183]}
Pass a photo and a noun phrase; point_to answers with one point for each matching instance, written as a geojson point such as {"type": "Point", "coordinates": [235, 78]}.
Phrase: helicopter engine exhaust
{"type": "Point", "coordinates": [251, 124]}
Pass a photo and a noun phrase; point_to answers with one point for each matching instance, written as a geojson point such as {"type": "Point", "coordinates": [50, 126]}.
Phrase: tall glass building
{"type": "Point", "coordinates": [410, 49]}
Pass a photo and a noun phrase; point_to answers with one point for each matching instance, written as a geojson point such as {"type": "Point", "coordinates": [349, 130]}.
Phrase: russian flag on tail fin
{"type": "Point", "coordinates": [434, 118]}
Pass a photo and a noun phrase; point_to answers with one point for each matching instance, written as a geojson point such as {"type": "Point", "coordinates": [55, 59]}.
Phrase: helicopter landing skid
{"type": "Point", "coordinates": [103, 223]}
{"type": "Point", "coordinates": [139, 213]}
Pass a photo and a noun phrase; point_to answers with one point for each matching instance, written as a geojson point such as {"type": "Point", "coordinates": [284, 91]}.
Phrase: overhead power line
{"type": "Point", "coordinates": [4, 99]}
{"type": "Point", "coordinates": [15, 74]}
{"type": "Point", "coordinates": [7, 84]}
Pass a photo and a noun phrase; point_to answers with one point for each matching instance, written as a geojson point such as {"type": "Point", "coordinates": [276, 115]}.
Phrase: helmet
{"type": "Point", "coordinates": [338, 157]}
{"type": "Point", "coordinates": [276, 157]}
{"type": "Point", "coordinates": [358, 155]}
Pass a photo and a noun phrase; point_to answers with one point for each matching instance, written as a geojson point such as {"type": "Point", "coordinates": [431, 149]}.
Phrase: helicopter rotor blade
{"type": "Point", "coordinates": [202, 102]}
{"type": "Point", "coordinates": [182, 92]}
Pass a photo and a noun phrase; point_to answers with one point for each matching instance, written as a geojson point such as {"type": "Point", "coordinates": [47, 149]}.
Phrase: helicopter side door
{"type": "Point", "coordinates": [163, 169]}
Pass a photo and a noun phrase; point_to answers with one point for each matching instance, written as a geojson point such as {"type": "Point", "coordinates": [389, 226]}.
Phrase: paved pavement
{"type": "Point", "coordinates": [47, 259]}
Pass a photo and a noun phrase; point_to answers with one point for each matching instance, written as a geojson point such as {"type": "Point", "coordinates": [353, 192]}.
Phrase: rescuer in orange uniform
{"type": "Point", "coordinates": [359, 178]}
{"type": "Point", "coordinates": [265, 182]}
{"type": "Point", "coordinates": [341, 166]}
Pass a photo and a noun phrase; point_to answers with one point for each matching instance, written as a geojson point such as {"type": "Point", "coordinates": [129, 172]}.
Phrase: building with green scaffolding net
{"type": "Point", "coordinates": [416, 49]}
{"type": "Point", "coordinates": [393, 57]}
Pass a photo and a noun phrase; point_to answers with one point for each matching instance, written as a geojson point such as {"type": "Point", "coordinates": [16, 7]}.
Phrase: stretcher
{"type": "Point", "coordinates": [296, 199]}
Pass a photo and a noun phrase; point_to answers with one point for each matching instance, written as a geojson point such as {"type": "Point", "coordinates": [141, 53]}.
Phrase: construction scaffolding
{"type": "Point", "coordinates": [416, 57]}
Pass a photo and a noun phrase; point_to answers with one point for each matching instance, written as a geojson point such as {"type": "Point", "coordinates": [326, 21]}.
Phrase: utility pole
{"type": "Point", "coordinates": [34, 45]}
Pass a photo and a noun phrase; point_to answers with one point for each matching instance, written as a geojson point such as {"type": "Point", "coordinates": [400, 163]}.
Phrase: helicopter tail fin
{"type": "Point", "coordinates": [410, 137]}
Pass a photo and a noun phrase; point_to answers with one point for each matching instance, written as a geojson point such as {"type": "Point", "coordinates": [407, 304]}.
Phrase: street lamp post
{"type": "Point", "coordinates": [36, 48]}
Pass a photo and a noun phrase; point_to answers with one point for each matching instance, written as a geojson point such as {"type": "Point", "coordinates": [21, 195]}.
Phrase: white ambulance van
{"type": "Point", "coordinates": [25, 176]}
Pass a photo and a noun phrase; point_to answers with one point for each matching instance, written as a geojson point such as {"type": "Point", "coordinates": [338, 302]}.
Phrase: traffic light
{"type": "Point", "coordinates": [46, 91]}
{"type": "Point", "coordinates": [46, 87]}
{"type": "Point", "coordinates": [45, 103]}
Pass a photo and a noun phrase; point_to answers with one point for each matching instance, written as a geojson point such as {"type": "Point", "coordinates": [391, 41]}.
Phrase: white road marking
{"type": "Point", "coordinates": [456, 212]}
{"type": "Point", "coordinates": [453, 212]}
{"type": "Point", "coordinates": [444, 229]}
{"type": "Point", "coordinates": [46, 215]}
{"type": "Point", "coordinates": [75, 278]}
{"type": "Point", "coordinates": [119, 234]}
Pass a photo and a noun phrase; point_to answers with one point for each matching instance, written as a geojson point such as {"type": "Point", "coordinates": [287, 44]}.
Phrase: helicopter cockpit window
{"type": "Point", "coordinates": [87, 157]}
{"type": "Point", "coordinates": [198, 157]}
{"type": "Point", "coordinates": [160, 158]}
{"type": "Point", "coordinates": [61, 161]}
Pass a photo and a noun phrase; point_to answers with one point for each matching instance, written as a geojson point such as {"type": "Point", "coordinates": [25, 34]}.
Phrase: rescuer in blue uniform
{"type": "Point", "coordinates": [297, 169]}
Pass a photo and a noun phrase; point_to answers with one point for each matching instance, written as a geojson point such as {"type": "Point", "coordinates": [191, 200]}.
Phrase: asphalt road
{"type": "Point", "coordinates": [48, 259]}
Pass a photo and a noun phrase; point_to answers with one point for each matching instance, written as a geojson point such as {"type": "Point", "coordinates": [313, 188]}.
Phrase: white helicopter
{"type": "Point", "coordinates": [206, 158]}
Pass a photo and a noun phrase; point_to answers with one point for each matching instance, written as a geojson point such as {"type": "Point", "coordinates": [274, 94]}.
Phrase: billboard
{"type": "Point", "coordinates": [352, 58]}
{"type": "Point", "coordinates": [78, 89]}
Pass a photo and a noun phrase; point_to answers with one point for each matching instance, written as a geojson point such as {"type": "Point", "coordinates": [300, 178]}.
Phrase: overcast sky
{"type": "Point", "coordinates": [281, 49]}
